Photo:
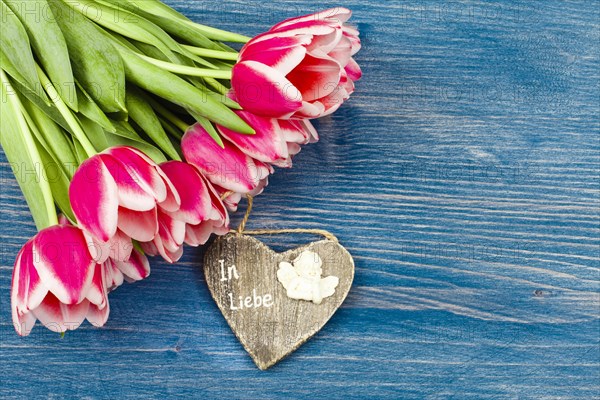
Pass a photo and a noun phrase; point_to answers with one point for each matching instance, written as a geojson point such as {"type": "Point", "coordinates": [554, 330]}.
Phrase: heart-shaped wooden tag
{"type": "Point", "coordinates": [246, 279]}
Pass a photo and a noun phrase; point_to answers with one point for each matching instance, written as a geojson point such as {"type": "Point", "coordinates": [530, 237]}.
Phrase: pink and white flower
{"type": "Point", "coordinates": [201, 213]}
{"type": "Point", "coordinates": [228, 167]}
{"type": "Point", "coordinates": [300, 68]}
{"type": "Point", "coordinates": [116, 194]}
{"type": "Point", "coordinates": [275, 140]}
{"type": "Point", "coordinates": [56, 280]}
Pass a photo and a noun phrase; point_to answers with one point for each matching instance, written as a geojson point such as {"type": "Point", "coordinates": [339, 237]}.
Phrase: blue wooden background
{"type": "Point", "coordinates": [464, 178]}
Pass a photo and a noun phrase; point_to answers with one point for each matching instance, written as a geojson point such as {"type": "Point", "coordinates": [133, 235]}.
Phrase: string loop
{"type": "Point", "coordinates": [241, 229]}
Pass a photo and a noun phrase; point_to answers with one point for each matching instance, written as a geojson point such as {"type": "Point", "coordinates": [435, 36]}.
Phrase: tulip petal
{"type": "Point", "coordinates": [136, 268]}
{"type": "Point", "coordinates": [139, 225]}
{"type": "Point", "coordinates": [120, 246]}
{"type": "Point", "coordinates": [97, 316]}
{"type": "Point", "coordinates": [195, 200]}
{"type": "Point", "coordinates": [293, 131]}
{"type": "Point", "coordinates": [352, 35]}
{"type": "Point", "coordinates": [173, 200]}
{"type": "Point", "coordinates": [280, 53]}
{"type": "Point", "coordinates": [99, 251]}
{"type": "Point", "coordinates": [325, 35]}
{"type": "Point", "coordinates": [130, 193]}
{"type": "Point", "coordinates": [170, 255]}
{"type": "Point", "coordinates": [265, 145]}
{"type": "Point", "coordinates": [334, 100]}
{"type": "Point", "coordinates": [97, 292]}
{"type": "Point", "coordinates": [93, 196]}
{"type": "Point", "coordinates": [342, 53]}
{"type": "Point", "coordinates": [264, 90]}
{"type": "Point", "coordinates": [63, 262]}
{"type": "Point", "coordinates": [218, 212]}
{"type": "Point", "coordinates": [23, 323]}
{"type": "Point", "coordinates": [149, 248]}
{"type": "Point", "coordinates": [315, 77]}
{"type": "Point", "coordinates": [293, 148]}
{"type": "Point", "coordinates": [197, 235]}
{"type": "Point", "coordinates": [63, 220]}
{"type": "Point", "coordinates": [227, 167]}
{"type": "Point", "coordinates": [353, 70]}
{"type": "Point", "coordinates": [113, 277]}
{"type": "Point", "coordinates": [27, 290]}
{"type": "Point", "coordinates": [141, 169]}
{"type": "Point", "coordinates": [324, 44]}
{"type": "Point", "coordinates": [260, 188]}
{"type": "Point", "coordinates": [310, 110]}
{"type": "Point", "coordinates": [337, 14]}
{"type": "Point", "coordinates": [314, 27]}
{"type": "Point", "coordinates": [60, 317]}
{"type": "Point", "coordinates": [171, 232]}
{"type": "Point", "coordinates": [231, 201]}
{"type": "Point", "coordinates": [308, 127]}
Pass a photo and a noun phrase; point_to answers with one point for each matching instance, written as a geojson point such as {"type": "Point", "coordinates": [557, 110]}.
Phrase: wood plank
{"type": "Point", "coordinates": [463, 176]}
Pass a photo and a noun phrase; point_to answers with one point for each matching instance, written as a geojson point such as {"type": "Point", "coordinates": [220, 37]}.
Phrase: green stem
{"type": "Point", "coordinates": [169, 128]}
{"type": "Point", "coordinates": [190, 71]}
{"type": "Point", "coordinates": [221, 55]}
{"type": "Point", "coordinates": [66, 113]}
{"type": "Point", "coordinates": [218, 34]}
{"type": "Point", "coordinates": [32, 150]}
{"type": "Point", "coordinates": [169, 116]}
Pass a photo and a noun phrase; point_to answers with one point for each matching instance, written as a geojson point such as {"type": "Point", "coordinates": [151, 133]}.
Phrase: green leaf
{"type": "Point", "coordinates": [16, 57]}
{"type": "Point", "coordinates": [156, 8]}
{"type": "Point", "coordinates": [48, 44]}
{"type": "Point", "coordinates": [95, 62]}
{"type": "Point", "coordinates": [171, 129]}
{"type": "Point", "coordinates": [218, 86]}
{"type": "Point", "coordinates": [90, 109]}
{"type": "Point", "coordinates": [59, 182]}
{"type": "Point", "coordinates": [151, 151]}
{"type": "Point", "coordinates": [95, 133]}
{"type": "Point", "coordinates": [221, 98]}
{"type": "Point", "coordinates": [48, 108]}
{"type": "Point", "coordinates": [52, 137]}
{"type": "Point", "coordinates": [125, 130]}
{"type": "Point", "coordinates": [206, 124]}
{"type": "Point", "coordinates": [79, 152]}
{"type": "Point", "coordinates": [154, 52]}
{"type": "Point", "coordinates": [20, 149]}
{"type": "Point", "coordinates": [168, 19]}
{"type": "Point", "coordinates": [175, 89]}
{"type": "Point", "coordinates": [143, 114]}
{"type": "Point", "coordinates": [135, 27]}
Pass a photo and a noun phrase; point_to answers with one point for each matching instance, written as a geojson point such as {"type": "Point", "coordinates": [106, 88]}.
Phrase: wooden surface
{"type": "Point", "coordinates": [463, 176]}
{"type": "Point", "coordinates": [242, 267]}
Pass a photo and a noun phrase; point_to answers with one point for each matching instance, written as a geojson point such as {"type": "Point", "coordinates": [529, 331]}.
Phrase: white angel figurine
{"type": "Point", "coordinates": [303, 281]}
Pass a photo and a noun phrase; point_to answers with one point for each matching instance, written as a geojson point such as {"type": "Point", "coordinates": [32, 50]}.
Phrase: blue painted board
{"type": "Point", "coordinates": [463, 176]}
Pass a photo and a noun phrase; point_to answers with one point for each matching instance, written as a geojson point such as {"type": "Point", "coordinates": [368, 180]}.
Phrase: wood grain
{"type": "Point", "coordinates": [463, 176]}
{"type": "Point", "coordinates": [270, 333]}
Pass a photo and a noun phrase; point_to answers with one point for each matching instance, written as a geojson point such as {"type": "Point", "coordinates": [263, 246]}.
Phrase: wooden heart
{"type": "Point", "coordinates": [241, 273]}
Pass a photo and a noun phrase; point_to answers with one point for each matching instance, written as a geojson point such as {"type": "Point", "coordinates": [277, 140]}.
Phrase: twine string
{"type": "Point", "coordinates": [241, 229]}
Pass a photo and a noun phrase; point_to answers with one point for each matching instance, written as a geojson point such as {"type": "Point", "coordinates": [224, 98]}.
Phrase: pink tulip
{"type": "Point", "coordinates": [124, 261]}
{"type": "Point", "coordinates": [201, 213]}
{"type": "Point", "coordinates": [275, 141]}
{"type": "Point", "coordinates": [56, 280]}
{"type": "Point", "coordinates": [300, 68]}
{"type": "Point", "coordinates": [115, 195]}
{"type": "Point", "coordinates": [228, 167]}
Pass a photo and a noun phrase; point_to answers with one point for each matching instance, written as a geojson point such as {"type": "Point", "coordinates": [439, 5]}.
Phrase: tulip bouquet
{"type": "Point", "coordinates": [143, 130]}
